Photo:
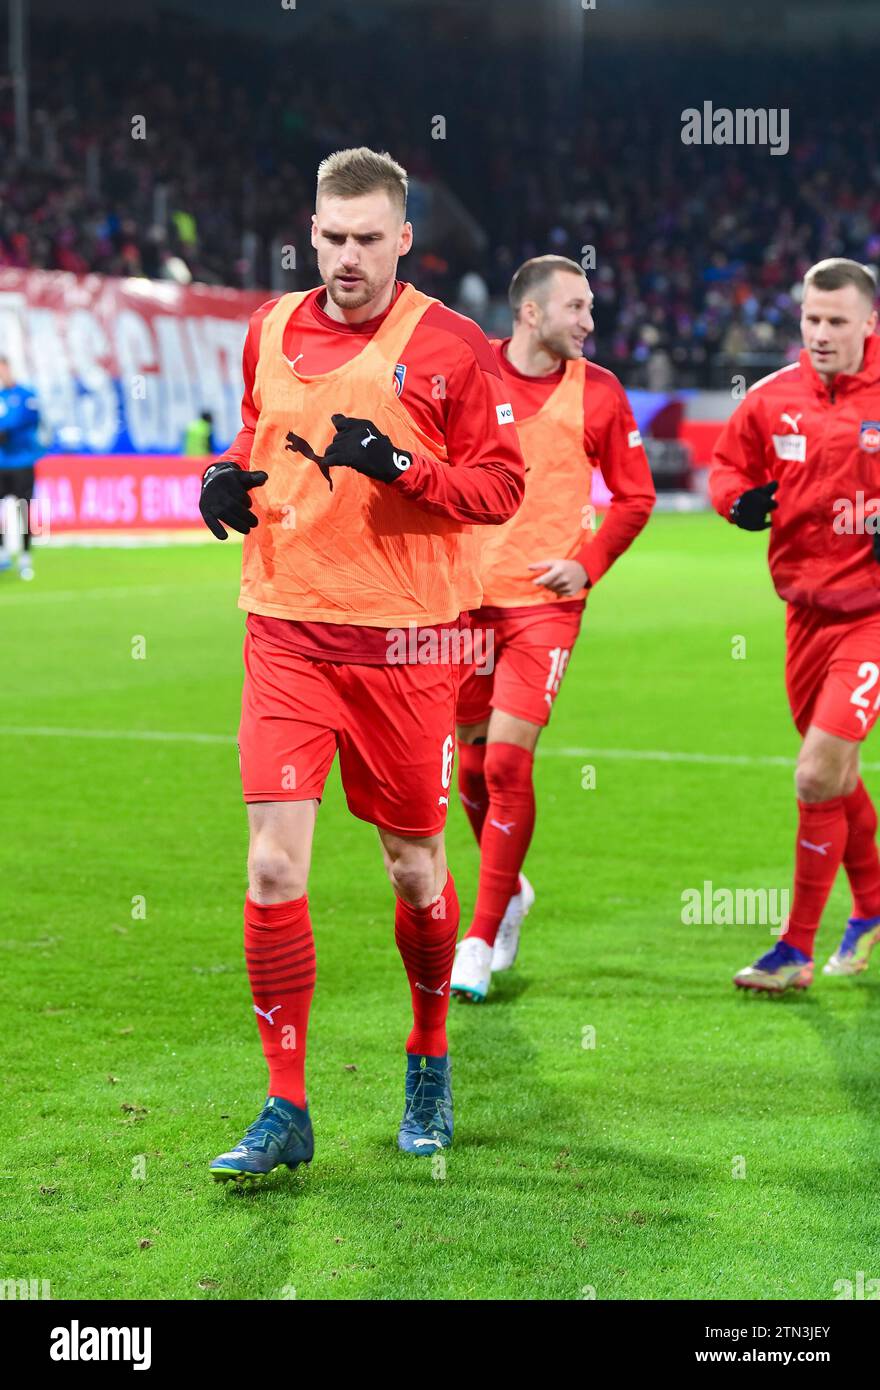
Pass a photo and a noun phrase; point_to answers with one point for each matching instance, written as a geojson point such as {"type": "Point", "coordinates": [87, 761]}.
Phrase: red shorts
{"type": "Point", "coordinates": [832, 672]}
{"type": "Point", "coordinates": [530, 653]}
{"type": "Point", "coordinates": [393, 727]}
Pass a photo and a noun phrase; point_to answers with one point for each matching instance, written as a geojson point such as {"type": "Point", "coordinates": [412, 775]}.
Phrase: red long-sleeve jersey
{"type": "Point", "coordinates": [451, 385]}
{"type": "Point", "coordinates": [611, 441]}
{"type": "Point", "coordinates": [822, 444]}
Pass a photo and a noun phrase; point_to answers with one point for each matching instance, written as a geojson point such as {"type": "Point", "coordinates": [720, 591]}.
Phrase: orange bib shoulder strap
{"type": "Point", "coordinates": [565, 401]}
{"type": "Point", "coordinates": [386, 345]}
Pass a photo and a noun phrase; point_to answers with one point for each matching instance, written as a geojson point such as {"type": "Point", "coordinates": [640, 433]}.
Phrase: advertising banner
{"type": "Point", "coordinates": [124, 365]}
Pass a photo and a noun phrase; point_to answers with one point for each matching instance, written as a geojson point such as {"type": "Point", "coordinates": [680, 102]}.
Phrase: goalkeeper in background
{"type": "Point", "coordinates": [19, 450]}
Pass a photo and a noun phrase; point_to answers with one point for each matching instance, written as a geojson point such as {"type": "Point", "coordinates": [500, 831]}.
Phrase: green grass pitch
{"type": "Point", "coordinates": [708, 1145]}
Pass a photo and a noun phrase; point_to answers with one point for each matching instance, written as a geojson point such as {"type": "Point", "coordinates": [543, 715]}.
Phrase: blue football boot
{"type": "Point", "coordinates": [426, 1126]}
{"type": "Point", "coordinates": [782, 967]}
{"type": "Point", "coordinates": [282, 1133]}
{"type": "Point", "coordinates": [859, 939]}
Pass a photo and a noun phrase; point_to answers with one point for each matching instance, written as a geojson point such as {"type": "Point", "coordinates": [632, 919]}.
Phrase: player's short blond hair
{"type": "Point", "coordinates": [534, 276]}
{"type": "Point", "coordinates": [836, 272]}
{"type": "Point", "coordinates": [352, 173]}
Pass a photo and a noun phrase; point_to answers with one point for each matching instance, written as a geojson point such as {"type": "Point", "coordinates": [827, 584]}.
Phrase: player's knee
{"type": "Point", "coordinates": [815, 781]}
{"type": "Point", "coordinates": [273, 876]}
{"type": "Point", "coordinates": [413, 880]}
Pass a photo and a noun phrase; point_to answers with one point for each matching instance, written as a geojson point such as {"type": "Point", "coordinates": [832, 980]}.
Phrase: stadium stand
{"type": "Point", "coordinates": [696, 257]}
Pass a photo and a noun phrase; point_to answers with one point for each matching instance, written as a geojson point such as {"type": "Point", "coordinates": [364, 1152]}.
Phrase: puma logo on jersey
{"type": "Point", "coordinates": [442, 800]}
{"type": "Point", "coordinates": [506, 828]}
{"type": "Point", "coordinates": [426, 990]}
{"type": "Point", "coordinates": [792, 420]}
{"type": "Point", "coordinates": [297, 445]}
{"type": "Point", "coordinates": [860, 714]}
{"type": "Point", "coordinates": [267, 1016]}
{"type": "Point", "coordinates": [819, 849]}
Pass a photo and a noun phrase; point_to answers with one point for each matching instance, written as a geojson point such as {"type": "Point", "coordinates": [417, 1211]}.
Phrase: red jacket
{"type": "Point", "coordinates": [823, 445]}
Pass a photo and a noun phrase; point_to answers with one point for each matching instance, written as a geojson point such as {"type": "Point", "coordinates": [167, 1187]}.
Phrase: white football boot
{"type": "Point", "coordinates": [507, 940]}
{"type": "Point", "coordinates": [472, 969]}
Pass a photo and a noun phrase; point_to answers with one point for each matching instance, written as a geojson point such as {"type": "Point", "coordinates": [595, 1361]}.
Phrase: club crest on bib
{"type": "Point", "coordinates": [399, 374]}
{"type": "Point", "coordinates": [869, 436]}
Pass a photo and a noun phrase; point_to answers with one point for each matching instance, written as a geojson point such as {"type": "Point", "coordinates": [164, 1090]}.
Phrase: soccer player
{"type": "Point", "coordinates": [19, 450]}
{"type": "Point", "coordinates": [536, 569]}
{"type": "Point", "coordinates": [800, 456]}
{"type": "Point", "coordinates": [376, 440]}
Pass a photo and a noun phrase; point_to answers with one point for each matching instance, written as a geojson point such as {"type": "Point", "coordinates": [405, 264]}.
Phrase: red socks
{"type": "Point", "coordinates": [472, 784]}
{"type": "Point", "coordinates": [280, 953]}
{"type": "Point", "coordinates": [821, 840]}
{"type": "Point", "coordinates": [426, 940]}
{"type": "Point", "coordinates": [509, 822]}
{"type": "Point", "coordinates": [860, 858]}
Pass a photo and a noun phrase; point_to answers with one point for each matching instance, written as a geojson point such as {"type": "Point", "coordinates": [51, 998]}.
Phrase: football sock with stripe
{"type": "Point", "coordinates": [821, 839]}
{"type": "Point", "coordinates": [425, 938]}
{"type": "Point", "coordinates": [860, 858]}
{"type": "Point", "coordinates": [472, 787]}
{"type": "Point", "coordinates": [507, 832]}
{"type": "Point", "coordinates": [279, 950]}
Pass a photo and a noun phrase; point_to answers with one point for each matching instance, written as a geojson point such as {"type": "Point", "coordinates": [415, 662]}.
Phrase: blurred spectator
{"type": "Point", "coordinates": [698, 249]}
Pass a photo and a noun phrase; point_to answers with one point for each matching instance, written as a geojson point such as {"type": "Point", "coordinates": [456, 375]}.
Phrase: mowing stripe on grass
{"type": "Point", "coordinates": [644, 755]}
{"type": "Point", "coordinates": [117, 591]}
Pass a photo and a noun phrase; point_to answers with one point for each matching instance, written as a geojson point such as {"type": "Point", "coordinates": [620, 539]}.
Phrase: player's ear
{"type": "Point", "coordinates": [314, 230]}
{"type": "Point", "coordinates": [406, 239]}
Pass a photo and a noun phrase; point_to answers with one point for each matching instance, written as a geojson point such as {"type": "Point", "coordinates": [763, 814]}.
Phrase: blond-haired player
{"type": "Point", "coordinates": [359, 487]}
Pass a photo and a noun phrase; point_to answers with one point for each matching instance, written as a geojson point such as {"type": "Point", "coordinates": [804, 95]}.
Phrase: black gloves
{"type": "Point", "coordinates": [224, 497]}
{"type": "Point", "coordinates": [358, 444]}
{"type": "Point", "coordinates": [749, 511]}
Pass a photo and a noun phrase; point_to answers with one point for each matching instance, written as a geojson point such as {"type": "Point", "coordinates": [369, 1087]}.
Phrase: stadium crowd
{"type": "Point", "coordinates": [697, 249]}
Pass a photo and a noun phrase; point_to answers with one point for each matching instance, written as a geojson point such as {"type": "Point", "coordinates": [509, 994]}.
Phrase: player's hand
{"type": "Point", "coordinates": [749, 511]}
{"type": "Point", "coordinates": [358, 444]}
{"type": "Point", "coordinates": [563, 577]}
{"type": "Point", "coordinates": [226, 498]}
